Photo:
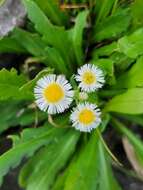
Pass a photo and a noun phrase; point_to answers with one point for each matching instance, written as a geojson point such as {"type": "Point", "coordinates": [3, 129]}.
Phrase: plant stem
{"type": "Point", "coordinates": [107, 148]}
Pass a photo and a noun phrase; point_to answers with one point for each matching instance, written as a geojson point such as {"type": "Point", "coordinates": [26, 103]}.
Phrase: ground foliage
{"type": "Point", "coordinates": [59, 38]}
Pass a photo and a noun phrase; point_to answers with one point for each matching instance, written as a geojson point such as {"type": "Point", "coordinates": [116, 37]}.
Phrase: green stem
{"type": "Point", "coordinates": [107, 148]}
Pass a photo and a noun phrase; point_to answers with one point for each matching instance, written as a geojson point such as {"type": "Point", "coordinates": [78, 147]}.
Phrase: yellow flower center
{"type": "Point", "coordinates": [86, 116]}
{"type": "Point", "coordinates": [89, 78]}
{"type": "Point", "coordinates": [53, 93]}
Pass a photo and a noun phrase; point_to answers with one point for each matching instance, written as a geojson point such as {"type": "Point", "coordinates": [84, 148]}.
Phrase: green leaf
{"type": "Point", "coordinates": [26, 145]}
{"type": "Point", "coordinates": [132, 45]}
{"type": "Point", "coordinates": [132, 78]}
{"type": "Point", "coordinates": [106, 65]}
{"type": "Point", "coordinates": [34, 44]}
{"type": "Point", "coordinates": [9, 44]}
{"type": "Point", "coordinates": [134, 140]}
{"type": "Point", "coordinates": [106, 180]}
{"type": "Point", "coordinates": [92, 173]}
{"type": "Point", "coordinates": [31, 42]}
{"type": "Point", "coordinates": [29, 86]}
{"type": "Point", "coordinates": [83, 173]}
{"type": "Point", "coordinates": [77, 35]}
{"type": "Point", "coordinates": [17, 113]}
{"type": "Point", "coordinates": [103, 9]}
{"type": "Point", "coordinates": [53, 35]}
{"type": "Point", "coordinates": [52, 10]}
{"type": "Point", "coordinates": [137, 13]}
{"type": "Point", "coordinates": [104, 50]}
{"type": "Point", "coordinates": [137, 119]}
{"type": "Point", "coordinates": [121, 61]}
{"type": "Point", "coordinates": [10, 83]}
{"type": "Point", "coordinates": [9, 113]}
{"type": "Point", "coordinates": [112, 26]}
{"type": "Point", "coordinates": [130, 102]}
{"type": "Point", "coordinates": [54, 159]}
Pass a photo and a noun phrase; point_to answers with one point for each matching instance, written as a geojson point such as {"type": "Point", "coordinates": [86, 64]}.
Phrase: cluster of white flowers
{"type": "Point", "coordinates": [54, 94]}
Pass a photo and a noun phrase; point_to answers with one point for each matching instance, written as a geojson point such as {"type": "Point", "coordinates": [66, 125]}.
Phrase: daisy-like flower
{"type": "Point", "coordinates": [53, 94]}
{"type": "Point", "coordinates": [90, 78]}
{"type": "Point", "coordinates": [85, 117]}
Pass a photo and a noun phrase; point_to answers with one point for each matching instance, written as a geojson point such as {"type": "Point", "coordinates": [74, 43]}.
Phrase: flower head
{"type": "Point", "coordinates": [53, 94]}
{"type": "Point", "coordinates": [85, 117]}
{"type": "Point", "coordinates": [90, 77]}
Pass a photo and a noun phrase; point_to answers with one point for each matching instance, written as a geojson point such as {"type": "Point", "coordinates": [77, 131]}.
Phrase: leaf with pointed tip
{"type": "Point", "coordinates": [132, 78]}
{"type": "Point", "coordinates": [10, 83]}
{"type": "Point", "coordinates": [9, 44]}
{"type": "Point", "coordinates": [52, 10]}
{"type": "Point", "coordinates": [130, 102]}
{"type": "Point", "coordinates": [112, 26]}
{"type": "Point", "coordinates": [132, 45]}
{"type": "Point", "coordinates": [77, 36]}
{"type": "Point", "coordinates": [26, 145]}
{"type": "Point", "coordinates": [54, 36]}
{"type": "Point", "coordinates": [54, 158]}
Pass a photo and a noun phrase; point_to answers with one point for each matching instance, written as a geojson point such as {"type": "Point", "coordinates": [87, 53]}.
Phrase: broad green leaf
{"type": "Point", "coordinates": [137, 13]}
{"type": "Point", "coordinates": [9, 44]}
{"type": "Point", "coordinates": [112, 26]}
{"type": "Point", "coordinates": [107, 180]}
{"type": "Point", "coordinates": [130, 102]}
{"type": "Point", "coordinates": [52, 9]}
{"type": "Point", "coordinates": [54, 159]}
{"type": "Point", "coordinates": [31, 42]}
{"type": "Point", "coordinates": [132, 78]}
{"type": "Point", "coordinates": [92, 173]}
{"type": "Point", "coordinates": [29, 86]}
{"type": "Point", "coordinates": [104, 50]}
{"type": "Point", "coordinates": [10, 83]}
{"type": "Point", "coordinates": [56, 60]}
{"type": "Point", "coordinates": [137, 119]}
{"type": "Point", "coordinates": [121, 61]}
{"type": "Point", "coordinates": [102, 9]}
{"type": "Point", "coordinates": [34, 44]}
{"type": "Point", "coordinates": [132, 45]}
{"type": "Point", "coordinates": [53, 35]}
{"type": "Point", "coordinates": [15, 113]}
{"type": "Point", "coordinates": [9, 113]}
{"type": "Point", "coordinates": [83, 173]}
{"type": "Point", "coordinates": [77, 36]}
{"type": "Point", "coordinates": [26, 145]}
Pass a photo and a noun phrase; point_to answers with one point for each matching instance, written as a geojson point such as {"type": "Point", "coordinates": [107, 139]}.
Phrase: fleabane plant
{"type": "Point", "coordinates": [54, 94]}
{"type": "Point", "coordinates": [81, 74]}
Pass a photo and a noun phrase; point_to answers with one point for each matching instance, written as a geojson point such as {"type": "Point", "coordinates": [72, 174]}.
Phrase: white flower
{"type": "Point", "coordinates": [90, 77]}
{"type": "Point", "coordinates": [85, 117]}
{"type": "Point", "coordinates": [53, 94]}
